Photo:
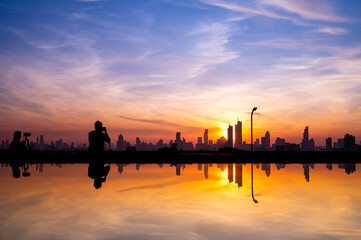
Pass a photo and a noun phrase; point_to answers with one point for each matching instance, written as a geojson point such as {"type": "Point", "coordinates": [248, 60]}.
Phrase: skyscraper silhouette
{"type": "Point", "coordinates": [41, 142]}
{"type": "Point", "coordinates": [230, 136]}
{"type": "Point", "coordinates": [238, 135]}
{"type": "Point", "coordinates": [305, 145]}
{"type": "Point", "coordinates": [349, 142]}
{"type": "Point", "coordinates": [206, 137]}
{"type": "Point", "coordinates": [267, 143]}
{"type": "Point", "coordinates": [328, 144]}
{"type": "Point", "coordinates": [178, 136]}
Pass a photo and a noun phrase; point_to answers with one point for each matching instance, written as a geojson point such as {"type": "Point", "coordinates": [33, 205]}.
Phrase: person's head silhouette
{"type": "Point", "coordinates": [17, 136]}
{"type": "Point", "coordinates": [98, 183]}
{"type": "Point", "coordinates": [98, 126]}
{"type": "Point", "coordinates": [16, 172]}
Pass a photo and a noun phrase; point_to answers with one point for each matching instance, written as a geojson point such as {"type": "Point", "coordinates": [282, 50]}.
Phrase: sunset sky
{"type": "Point", "coordinates": [153, 68]}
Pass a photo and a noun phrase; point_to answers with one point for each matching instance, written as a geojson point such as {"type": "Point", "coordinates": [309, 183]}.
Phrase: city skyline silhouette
{"type": "Point", "coordinates": [232, 140]}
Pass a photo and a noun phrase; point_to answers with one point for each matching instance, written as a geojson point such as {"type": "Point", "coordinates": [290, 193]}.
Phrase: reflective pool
{"type": "Point", "coordinates": [192, 201]}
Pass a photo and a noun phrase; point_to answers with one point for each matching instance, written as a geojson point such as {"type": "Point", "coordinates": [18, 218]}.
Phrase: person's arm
{"type": "Point", "coordinates": [107, 138]}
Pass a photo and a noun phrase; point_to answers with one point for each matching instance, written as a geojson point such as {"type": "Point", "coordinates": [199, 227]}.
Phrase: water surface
{"type": "Point", "coordinates": [198, 201]}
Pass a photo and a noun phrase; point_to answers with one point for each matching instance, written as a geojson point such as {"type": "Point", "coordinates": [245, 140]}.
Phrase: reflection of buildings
{"type": "Point", "coordinates": [39, 167]}
{"type": "Point", "coordinates": [222, 166]}
{"type": "Point", "coordinates": [280, 165]}
{"type": "Point", "coordinates": [120, 168]}
{"type": "Point", "coordinates": [329, 166]}
{"type": "Point", "coordinates": [206, 170]}
{"type": "Point", "coordinates": [178, 169]}
{"type": "Point", "coordinates": [267, 168]}
{"type": "Point", "coordinates": [230, 172]}
{"type": "Point", "coordinates": [199, 167]}
{"type": "Point", "coordinates": [238, 177]}
{"type": "Point", "coordinates": [306, 171]}
{"type": "Point", "coordinates": [349, 167]}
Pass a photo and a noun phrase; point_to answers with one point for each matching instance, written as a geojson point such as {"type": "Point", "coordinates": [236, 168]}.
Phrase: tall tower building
{"type": "Point", "coordinates": [178, 136]}
{"type": "Point", "coordinates": [238, 135]}
{"type": "Point", "coordinates": [120, 143]}
{"type": "Point", "coordinates": [42, 141]}
{"type": "Point", "coordinates": [206, 137]}
{"type": "Point", "coordinates": [230, 136]}
{"type": "Point", "coordinates": [329, 144]}
{"type": "Point", "coordinates": [305, 141]}
{"type": "Point", "coordinates": [268, 141]}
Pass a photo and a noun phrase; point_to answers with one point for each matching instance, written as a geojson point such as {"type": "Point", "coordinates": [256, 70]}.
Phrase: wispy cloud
{"type": "Point", "coordinates": [243, 9]}
{"type": "Point", "coordinates": [333, 30]}
{"type": "Point", "coordinates": [309, 9]}
{"type": "Point", "coordinates": [161, 70]}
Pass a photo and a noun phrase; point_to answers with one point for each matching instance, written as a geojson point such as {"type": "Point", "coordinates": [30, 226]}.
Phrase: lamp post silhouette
{"type": "Point", "coordinates": [254, 200]}
{"type": "Point", "coordinates": [254, 109]}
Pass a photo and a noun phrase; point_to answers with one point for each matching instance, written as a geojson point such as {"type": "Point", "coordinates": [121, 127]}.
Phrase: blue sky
{"type": "Point", "coordinates": [151, 68]}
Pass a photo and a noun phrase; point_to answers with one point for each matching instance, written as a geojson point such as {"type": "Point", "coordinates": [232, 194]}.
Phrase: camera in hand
{"type": "Point", "coordinates": [103, 129]}
{"type": "Point", "coordinates": [27, 134]}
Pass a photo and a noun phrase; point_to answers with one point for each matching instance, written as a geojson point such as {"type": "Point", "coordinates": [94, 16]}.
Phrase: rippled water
{"type": "Point", "coordinates": [198, 201]}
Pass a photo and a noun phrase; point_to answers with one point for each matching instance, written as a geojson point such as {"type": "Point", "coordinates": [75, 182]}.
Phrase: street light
{"type": "Point", "coordinates": [254, 109]}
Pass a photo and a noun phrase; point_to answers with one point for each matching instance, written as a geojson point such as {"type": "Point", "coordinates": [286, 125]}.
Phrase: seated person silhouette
{"type": "Point", "coordinates": [16, 145]}
{"type": "Point", "coordinates": [98, 172]}
{"type": "Point", "coordinates": [97, 137]}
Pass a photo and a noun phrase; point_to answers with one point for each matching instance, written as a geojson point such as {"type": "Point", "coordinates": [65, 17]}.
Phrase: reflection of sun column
{"type": "Point", "coordinates": [233, 173]}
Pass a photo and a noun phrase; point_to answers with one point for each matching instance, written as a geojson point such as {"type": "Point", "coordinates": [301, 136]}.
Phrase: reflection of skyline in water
{"type": "Point", "coordinates": [182, 201]}
{"type": "Point", "coordinates": [234, 170]}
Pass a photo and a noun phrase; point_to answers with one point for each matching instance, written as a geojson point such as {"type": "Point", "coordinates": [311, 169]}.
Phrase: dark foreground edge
{"type": "Point", "coordinates": [181, 157]}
